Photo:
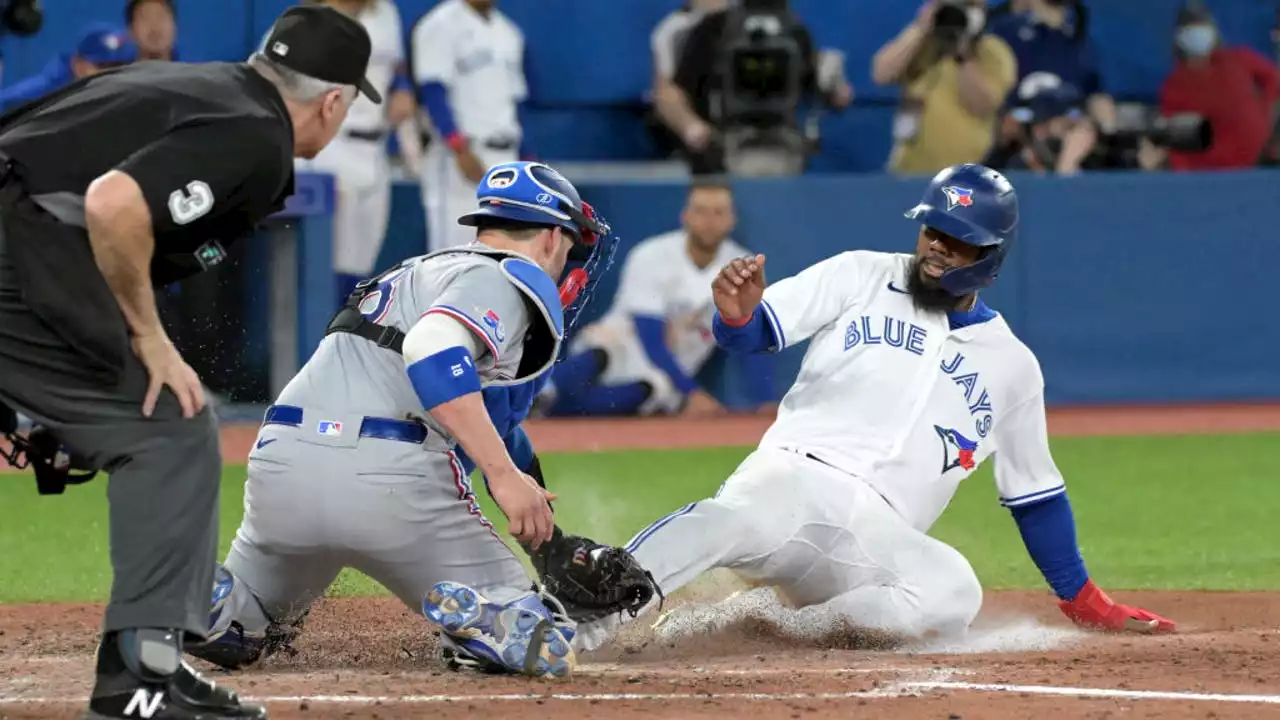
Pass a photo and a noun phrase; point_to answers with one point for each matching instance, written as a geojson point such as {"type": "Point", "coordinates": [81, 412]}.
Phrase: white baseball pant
{"type": "Point", "coordinates": [826, 539]}
{"type": "Point", "coordinates": [362, 177]}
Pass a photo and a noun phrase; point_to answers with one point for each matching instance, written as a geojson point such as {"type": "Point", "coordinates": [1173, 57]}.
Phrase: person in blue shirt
{"type": "Point", "coordinates": [101, 47]}
{"type": "Point", "coordinates": [153, 25]}
{"type": "Point", "coordinates": [1050, 39]}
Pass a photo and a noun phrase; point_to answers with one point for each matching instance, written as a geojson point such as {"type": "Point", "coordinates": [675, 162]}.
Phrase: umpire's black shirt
{"type": "Point", "coordinates": [210, 145]}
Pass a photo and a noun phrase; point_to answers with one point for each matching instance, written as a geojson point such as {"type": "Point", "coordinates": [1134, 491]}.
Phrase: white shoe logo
{"type": "Point", "coordinates": [144, 704]}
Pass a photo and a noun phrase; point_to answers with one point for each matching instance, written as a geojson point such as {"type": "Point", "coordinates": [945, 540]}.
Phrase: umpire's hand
{"type": "Point", "coordinates": [166, 368]}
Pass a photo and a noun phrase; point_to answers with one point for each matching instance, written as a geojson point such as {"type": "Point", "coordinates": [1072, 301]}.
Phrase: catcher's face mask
{"type": "Point", "coordinates": [589, 260]}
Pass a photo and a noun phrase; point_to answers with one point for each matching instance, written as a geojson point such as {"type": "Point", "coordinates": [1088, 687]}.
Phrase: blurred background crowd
{"type": "Point", "coordinates": [704, 91]}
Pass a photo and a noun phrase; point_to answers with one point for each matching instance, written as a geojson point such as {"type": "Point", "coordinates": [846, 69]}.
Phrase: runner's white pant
{"type": "Point", "coordinates": [824, 538]}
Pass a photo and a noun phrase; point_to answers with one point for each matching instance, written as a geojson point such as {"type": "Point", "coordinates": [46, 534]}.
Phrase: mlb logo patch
{"type": "Point", "coordinates": [958, 196]}
{"type": "Point", "coordinates": [329, 428]}
{"type": "Point", "coordinates": [494, 323]}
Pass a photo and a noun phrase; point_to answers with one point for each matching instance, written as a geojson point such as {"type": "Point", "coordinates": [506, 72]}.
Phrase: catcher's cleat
{"type": "Point", "coordinates": [141, 675]}
{"type": "Point", "coordinates": [522, 636]}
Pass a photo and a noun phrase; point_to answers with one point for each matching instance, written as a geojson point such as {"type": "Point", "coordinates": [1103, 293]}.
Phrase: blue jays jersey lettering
{"type": "Point", "coordinates": [889, 331]}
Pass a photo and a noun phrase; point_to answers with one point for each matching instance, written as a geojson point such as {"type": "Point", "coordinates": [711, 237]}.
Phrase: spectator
{"type": "Point", "coordinates": [642, 356]}
{"type": "Point", "coordinates": [699, 84]}
{"type": "Point", "coordinates": [954, 78]}
{"type": "Point", "coordinates": [1045, 124]}
{"type": "Point", "coordinates": [101, 47]}
{"type": "Point", "coordinates": [470, 67]}
{"type": "Point", "coordinates": [1234, 88]}
{"type": "Point", "coordinates": [1051, 38]}
{"type": "Point", "coordinates": [153, 25]}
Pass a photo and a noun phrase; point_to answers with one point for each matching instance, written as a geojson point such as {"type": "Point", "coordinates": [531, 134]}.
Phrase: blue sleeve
{"type": "Point", "coordinates": [402, 81]}
{"type": "Point", "coordinates": [25, 91]}
{"type": "Point", "coordinates": [652, 333]}
{"type": "Point", "coordinates": [757, 372]}
{"type": "Point", "coordinates": [754, 337]}
{"type": "Point", "coordinates": [520, 448]}
{"type": "Point", "coordinates": [434, 97]}
{"type": "Point", "coordinates": [444, 376]}
{"type": "Point", "coordinates": [1049, 531]}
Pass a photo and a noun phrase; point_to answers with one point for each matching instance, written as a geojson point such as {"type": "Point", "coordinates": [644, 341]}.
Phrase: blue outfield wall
{"type": "Point", "coordinates": [1128, 287]}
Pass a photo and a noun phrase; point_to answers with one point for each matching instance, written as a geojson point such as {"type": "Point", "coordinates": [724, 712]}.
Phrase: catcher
{"type": "Point", "coordinates": [364, 459]}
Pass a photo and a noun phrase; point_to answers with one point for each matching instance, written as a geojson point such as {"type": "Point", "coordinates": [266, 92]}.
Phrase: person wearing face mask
{"type": "Point", "coordinates": [1234, 88]}
{"type": "Point", "coordinates": [953, 77]}
{"type": "Point", "coordinates": [1051, 38]}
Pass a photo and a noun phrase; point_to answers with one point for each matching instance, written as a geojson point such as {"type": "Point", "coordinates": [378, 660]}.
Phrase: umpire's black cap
{"type": "Point", "coordinates": [322, 43]}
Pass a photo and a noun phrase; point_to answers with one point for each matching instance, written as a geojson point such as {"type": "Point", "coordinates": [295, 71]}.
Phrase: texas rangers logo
{"type": "Point", "coordinates": [958, 196]}
{"type": "Point", "coordinates": [957, 450]}
{"type": "Point", "coordinates": [495, 324]}
{"type": "Point", "coordinates": [503, 178]}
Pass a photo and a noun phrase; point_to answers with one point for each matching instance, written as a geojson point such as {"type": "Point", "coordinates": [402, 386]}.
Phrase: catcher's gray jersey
{"type": "Point", "coordinates": [351, 374]}
{"type": "Point", "coordinates": [326, 491]}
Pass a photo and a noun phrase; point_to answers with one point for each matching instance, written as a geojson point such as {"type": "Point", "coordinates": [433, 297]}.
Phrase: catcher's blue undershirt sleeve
{"type": "Point", "coordinates": [652, 332]}
{"type": "Point", "coordinates": [754, 337]}
{"type": "Point", "coordinates": [519, 448]}
{"type": "Point", "coordinates": [434, 96]}
{"type": "Point", "coordinates": [444, 376]}
{"type": "Point", "coordinates": [1049, 531]}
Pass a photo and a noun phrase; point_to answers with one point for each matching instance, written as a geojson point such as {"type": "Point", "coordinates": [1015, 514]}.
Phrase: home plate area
{"type": "Point", "coordinates": [744, 657]}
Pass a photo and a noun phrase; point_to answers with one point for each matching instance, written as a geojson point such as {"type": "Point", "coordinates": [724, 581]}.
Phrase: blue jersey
{"type": "Point", "coordinates": [54, 76]}
{"type": "Point", "coordinates": [1042, 49]}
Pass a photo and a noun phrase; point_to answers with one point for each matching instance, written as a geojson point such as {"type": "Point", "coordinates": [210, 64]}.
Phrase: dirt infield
{"type": "Point", "coordinates": [371, 657]}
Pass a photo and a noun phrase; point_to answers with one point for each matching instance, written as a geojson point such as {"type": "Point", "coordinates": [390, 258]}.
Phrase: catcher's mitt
{"type": "Point", "coordinates": [591, 580]}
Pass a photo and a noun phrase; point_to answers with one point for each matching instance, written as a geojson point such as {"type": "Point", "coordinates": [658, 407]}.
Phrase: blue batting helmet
{"type": "Point", "coordinates": [977, 206]}
{"type": "Point", "coordinates": [536, 194]}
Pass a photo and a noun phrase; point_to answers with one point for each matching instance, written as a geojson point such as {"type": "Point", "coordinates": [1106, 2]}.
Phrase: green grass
{"type": "Point", "coordinates": [1190, 512]}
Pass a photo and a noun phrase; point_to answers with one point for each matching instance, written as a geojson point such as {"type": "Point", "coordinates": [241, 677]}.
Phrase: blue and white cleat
{"type": "Point", "coordinates": [522, 636]}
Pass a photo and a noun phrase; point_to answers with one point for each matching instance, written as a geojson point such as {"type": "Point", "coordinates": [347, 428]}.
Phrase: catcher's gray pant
{"type": "Point", "coordinates": [164, 470]}
{"type": "Point", "coordinates": [319, 500]}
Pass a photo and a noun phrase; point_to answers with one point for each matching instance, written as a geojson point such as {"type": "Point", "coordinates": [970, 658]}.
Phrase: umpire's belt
{"type": "Point", "coordinates": [366, 135]}
{"type": "Point", "coordinates": [371, 427]}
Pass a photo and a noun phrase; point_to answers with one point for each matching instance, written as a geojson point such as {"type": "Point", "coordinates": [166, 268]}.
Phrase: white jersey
{"type": "Point", "coordinates": [480, 61]}
{"type": "Point", "coordinates": [381, 20]}
{"type": "Point", "coordinates": [660, 280]}
{"type": "Point", "coordinates": [890, 393]}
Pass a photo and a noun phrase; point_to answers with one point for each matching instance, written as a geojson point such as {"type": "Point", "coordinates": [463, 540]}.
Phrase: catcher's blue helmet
{"type": "Point", "coordinates": [977, 206]}
{"type": "Point", "coordinates": [536, 194]}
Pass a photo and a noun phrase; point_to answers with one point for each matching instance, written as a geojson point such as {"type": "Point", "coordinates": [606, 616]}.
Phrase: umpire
{"type": "Point", "coordinates": [109, 188]}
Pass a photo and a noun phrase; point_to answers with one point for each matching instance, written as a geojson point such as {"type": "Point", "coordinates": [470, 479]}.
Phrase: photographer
{"type": "Point", "coordinates": [1233, 88]}
{"type": "Point", "coordinates": [703, 106]}
{"type": "Point", "coordinates": [1044, 130]}
{"type": "Point", "coordinates": [953, 78]}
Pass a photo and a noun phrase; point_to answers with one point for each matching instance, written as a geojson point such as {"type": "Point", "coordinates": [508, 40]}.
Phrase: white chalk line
{"type": "Point", "coordinates": [894, 690]}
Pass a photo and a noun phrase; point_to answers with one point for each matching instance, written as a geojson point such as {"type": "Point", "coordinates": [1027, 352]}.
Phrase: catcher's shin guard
{"type": "Point", "coordinates": [230, 645]}
{"type": "Point", "coordinates": [522, 636]}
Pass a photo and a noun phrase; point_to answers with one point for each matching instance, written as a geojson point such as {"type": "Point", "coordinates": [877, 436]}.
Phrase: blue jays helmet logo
{"type": "Point", "coordinates": [958, 196]}
{"type": "Point", "coordinates": [957, 450]}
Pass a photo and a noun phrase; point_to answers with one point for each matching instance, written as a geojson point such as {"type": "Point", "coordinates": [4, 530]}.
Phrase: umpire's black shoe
{"type": "Point", "coordinates": [141, 675]}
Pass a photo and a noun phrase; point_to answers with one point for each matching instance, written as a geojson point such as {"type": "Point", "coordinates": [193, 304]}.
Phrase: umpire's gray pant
{"type": "Point", "coordinates": [164, 470]}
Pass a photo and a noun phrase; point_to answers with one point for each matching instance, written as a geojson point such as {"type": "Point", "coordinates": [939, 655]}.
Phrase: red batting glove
{"type": "Point", "coordinates": [1092, 608]}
